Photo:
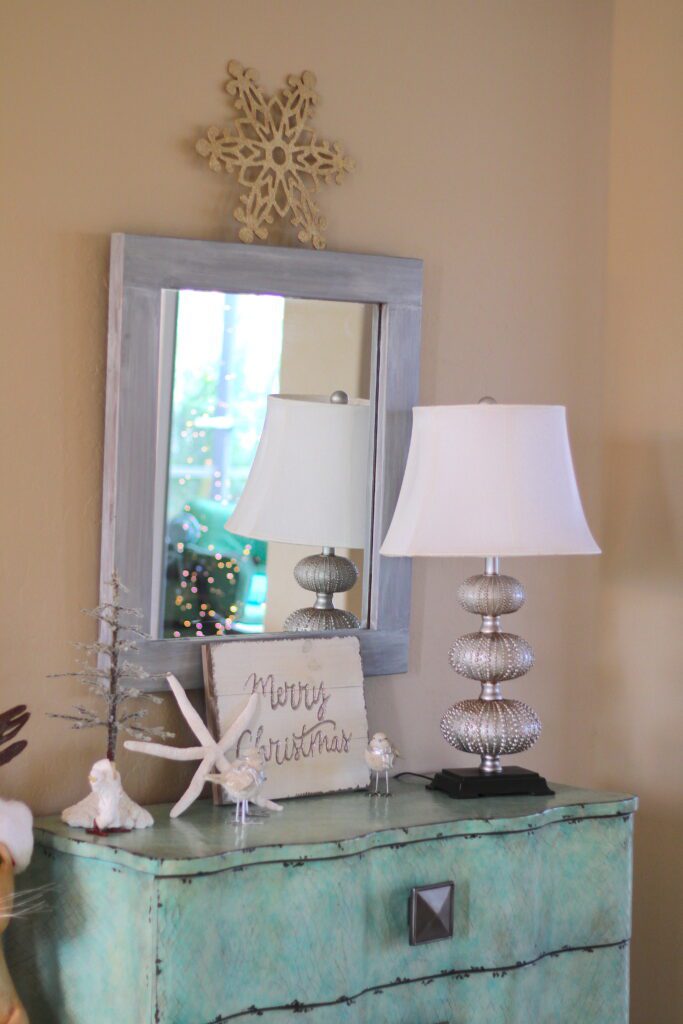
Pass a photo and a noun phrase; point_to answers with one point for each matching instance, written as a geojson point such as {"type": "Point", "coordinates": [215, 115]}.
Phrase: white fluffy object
{"type": "Point", "coordinates": [107, 806]}
{"type": "Point", "coordinates": [16, 832]}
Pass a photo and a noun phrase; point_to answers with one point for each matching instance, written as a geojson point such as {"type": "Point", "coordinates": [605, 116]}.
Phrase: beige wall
{"type": "Point", "coordinates": [482, 136]}
{"type": "Point", "coordinates": [638, 698]}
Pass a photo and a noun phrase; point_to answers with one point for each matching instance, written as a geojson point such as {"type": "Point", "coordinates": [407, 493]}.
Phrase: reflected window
{"type": "Point", "coordinates": [228, 350]}
{"type": "Point", "coordinates": [223, 355]}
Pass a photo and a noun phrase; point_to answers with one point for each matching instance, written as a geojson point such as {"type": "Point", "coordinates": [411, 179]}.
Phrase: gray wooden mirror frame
{"type": "Point", "coordinates": [141, 268]}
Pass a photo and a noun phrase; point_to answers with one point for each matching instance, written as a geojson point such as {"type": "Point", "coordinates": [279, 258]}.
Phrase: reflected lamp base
{"type": "Point", "coordinates": [320, 620]}
{"type": "Point", "coordinates": [324, 575]}
{"type": "Point", "coordinates": [470, 783]}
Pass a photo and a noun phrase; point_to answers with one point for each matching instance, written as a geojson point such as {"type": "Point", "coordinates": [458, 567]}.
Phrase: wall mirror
{"type": "Point", "coordinates": [258, 414]}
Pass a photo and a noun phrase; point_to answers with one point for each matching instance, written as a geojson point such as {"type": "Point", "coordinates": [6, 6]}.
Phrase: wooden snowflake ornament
{"type": "Point", "coordinates": [275, 153]}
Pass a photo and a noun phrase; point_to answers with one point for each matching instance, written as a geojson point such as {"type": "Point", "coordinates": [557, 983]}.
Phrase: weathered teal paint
{"type": "Point", "coordinates": [197, 921]}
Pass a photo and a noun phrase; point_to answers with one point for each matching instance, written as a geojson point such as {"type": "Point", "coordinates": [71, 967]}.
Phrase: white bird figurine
{"type": "Point", "coordinates": [379, 757]}
{"type": "Point", "coordinates": [242, 781]}
{"type": "Point", "coordinates": [107, 808]}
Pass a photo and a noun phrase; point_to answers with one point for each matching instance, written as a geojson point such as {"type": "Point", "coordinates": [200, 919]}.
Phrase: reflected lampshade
{"type": "Point", "coordinates": [309, 480]}
{"type": "Point", "coordinates": [489, 480]}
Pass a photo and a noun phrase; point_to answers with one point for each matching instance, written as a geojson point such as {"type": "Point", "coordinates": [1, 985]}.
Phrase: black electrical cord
{"type": "Point", "coordinates": [416, 775]}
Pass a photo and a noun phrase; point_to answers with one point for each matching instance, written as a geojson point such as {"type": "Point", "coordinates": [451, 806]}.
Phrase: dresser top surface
{"type": "Point", "coordinates": [205, 838]}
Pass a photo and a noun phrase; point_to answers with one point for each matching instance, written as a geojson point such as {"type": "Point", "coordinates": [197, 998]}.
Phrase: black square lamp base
{"type": "Point", "coordinates": [469, 783]}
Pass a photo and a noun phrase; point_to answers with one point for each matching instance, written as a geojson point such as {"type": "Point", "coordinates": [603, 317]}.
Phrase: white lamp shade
{"type": "Point", "coordinates": [489, 480]}
{"type": "Point", "coordinates": [309, 480]}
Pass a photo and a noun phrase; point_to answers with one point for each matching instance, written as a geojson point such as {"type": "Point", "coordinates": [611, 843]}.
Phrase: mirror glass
{"type": "Point", "coordinates": [222, 356]}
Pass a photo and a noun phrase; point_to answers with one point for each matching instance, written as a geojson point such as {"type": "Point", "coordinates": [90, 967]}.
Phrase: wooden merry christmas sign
{"type": "Point", "coordinates": [310, 725]}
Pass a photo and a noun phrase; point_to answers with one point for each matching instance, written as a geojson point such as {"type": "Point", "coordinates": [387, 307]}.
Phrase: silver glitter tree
{"type": "Point", "coordinates": [106, 676]}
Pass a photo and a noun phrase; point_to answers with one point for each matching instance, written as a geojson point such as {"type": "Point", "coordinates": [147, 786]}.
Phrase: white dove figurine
{"type": "Point", "coordinates": [242, 781]}
{"type": "Point", "coordinates": [379, 757]}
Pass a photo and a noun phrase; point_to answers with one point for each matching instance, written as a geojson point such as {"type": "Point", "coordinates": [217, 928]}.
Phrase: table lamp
{"type": "Point", "coordinates": [308, 485]}
{"type": "Point", "coordinates": [489, 480]}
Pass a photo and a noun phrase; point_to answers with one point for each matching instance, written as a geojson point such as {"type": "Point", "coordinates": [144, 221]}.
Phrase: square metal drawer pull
{"type": "Point", "coordinates": [430, 913]}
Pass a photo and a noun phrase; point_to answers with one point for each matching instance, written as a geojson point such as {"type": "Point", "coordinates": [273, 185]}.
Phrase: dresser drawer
{"type": "Point", "coordinates": [572, 988]}
{"type": "Point", "coordinates": [333, 927]}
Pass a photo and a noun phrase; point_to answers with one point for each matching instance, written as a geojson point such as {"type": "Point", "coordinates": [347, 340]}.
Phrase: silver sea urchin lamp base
{"type": "Point", "coordinates": [491, 725]}
{"type": "Point", "coordinates": [325, 574]}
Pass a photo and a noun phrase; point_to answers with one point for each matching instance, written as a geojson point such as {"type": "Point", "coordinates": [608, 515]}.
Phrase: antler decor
{"type": "Point", "coordinates": [12, 722]}
{"type": "Point", "coordinates": [276, 155]}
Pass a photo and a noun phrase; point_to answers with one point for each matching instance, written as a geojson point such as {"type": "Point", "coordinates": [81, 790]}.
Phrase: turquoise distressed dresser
{"type": "Point", "coordinates": [305, 916]}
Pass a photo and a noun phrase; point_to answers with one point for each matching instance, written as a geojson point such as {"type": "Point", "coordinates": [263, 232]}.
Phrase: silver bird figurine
{"type": "Point", "coordinates": [242, 781]}
{"type": "Point", "coordinates": [379, 757]}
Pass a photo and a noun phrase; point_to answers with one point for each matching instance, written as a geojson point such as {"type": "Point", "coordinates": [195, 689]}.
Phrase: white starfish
{"type": "Point", "coordinates": [211, 753]}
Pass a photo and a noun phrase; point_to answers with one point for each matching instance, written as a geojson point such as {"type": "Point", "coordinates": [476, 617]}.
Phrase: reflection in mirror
{"type": "Point", "coordinates": [222, 356]}
{"type": "Point", "coordinates": [309, 485]}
